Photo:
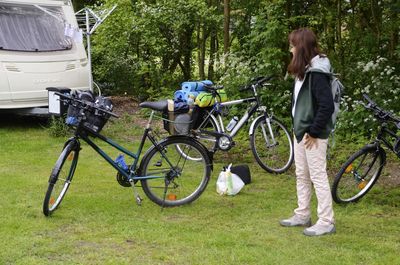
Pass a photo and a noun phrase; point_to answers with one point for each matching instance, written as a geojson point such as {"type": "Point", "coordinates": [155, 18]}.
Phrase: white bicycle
{"type": "Point", "coordinates": [270, 141]}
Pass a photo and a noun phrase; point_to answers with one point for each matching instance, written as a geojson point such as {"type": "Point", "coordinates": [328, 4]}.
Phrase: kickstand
{"type": "Point", "coordinates": [135, 193]}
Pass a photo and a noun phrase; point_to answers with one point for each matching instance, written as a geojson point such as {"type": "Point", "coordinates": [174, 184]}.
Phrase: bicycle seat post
{"type": "Point", "coordinates": [150, 120]}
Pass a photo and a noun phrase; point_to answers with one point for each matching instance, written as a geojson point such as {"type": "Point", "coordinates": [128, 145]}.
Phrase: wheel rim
{"type": "Point", "coordinates": [57, 194]}
{"type": "Point", "coordinates": [191, 175]}
{"type": "Point", "coordinates": [208, 141]}
{"type": "Point", "coordinates": [359, 176]}
{"type": "Point", "coordinates": [63, 181]}
{"type": "Point", "coordinates": [275, 152]}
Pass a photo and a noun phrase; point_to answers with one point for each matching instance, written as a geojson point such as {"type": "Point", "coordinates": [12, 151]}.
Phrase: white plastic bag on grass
{"type": "Point", "coordinates": [229, 183]}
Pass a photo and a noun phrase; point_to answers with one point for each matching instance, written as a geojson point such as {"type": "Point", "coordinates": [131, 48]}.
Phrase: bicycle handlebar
{"type": "Point", "coordinates": [257, 81]}
{"type": "Point", "coordinates": [213, 87]}
{"type": "Point", "coordinates": [379, 112]}
{"type": "Point", "coordinates": [85, 104]}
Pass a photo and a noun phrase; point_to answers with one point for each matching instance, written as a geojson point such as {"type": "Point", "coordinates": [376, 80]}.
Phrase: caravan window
{"type": "Point", "coordinates": [32, 28]}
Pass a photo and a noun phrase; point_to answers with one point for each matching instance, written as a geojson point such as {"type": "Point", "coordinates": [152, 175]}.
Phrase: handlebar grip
{"type": "Point", "coordinates": [108, 112]}
{"type": "Point", "coordinates": [213, 87]}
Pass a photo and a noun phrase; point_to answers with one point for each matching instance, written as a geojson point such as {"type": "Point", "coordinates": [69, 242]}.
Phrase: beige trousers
{"type": "Point", "coordinates": [311, 169]}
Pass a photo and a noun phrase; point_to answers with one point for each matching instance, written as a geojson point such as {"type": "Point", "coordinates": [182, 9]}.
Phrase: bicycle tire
{"type": "Point", "coordinates": [186, 184]}
{"type": "Point", "coordinates": [273, 157]}
{"type": "Point", "coordinates": [353, 181]}
{"type": "Point", "coordinates": [61, 177]}
{"type": "Point", "coordinates": [208, 141]}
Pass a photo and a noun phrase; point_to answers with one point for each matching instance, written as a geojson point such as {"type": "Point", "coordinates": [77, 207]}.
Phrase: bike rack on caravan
{"type": "Point", "coordinates": [40, 46]}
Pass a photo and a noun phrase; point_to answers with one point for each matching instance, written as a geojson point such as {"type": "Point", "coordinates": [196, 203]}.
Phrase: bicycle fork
{"type": "Point", "coordinates": [267, 131]}
{"type": "Point", "coordinates": [271, 133]}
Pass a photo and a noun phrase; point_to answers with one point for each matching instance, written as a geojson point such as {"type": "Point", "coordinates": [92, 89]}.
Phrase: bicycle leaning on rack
{"type": "Point", "coordinates": [270, 141]}
{"type": "Point", "coordinates": [167, 177]}
{"type": "Point", "coordinates": [361, 171]}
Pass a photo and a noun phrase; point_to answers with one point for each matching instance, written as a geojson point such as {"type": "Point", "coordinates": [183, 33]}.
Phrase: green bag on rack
{"type": "Point", "coordinates": [206, 99]}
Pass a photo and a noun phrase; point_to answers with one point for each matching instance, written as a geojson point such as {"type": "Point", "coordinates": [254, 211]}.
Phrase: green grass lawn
{"type": "Point", "coordinates": [99, 223]}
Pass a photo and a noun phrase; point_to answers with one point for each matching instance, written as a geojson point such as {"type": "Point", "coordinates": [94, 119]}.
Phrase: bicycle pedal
{"type": "Point", "coordinates": [139, 200]}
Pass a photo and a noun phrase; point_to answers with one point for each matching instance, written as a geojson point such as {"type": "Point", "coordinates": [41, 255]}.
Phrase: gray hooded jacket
{"type": "Point", "coordinates": [314, 104]}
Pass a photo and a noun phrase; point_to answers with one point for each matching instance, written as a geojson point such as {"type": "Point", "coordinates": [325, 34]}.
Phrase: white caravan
{"type": "Point", "coordinates": [40, 47]}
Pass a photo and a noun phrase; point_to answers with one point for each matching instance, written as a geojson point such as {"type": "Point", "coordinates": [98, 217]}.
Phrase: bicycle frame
{"type": "Point", "coordinates": [381, 138]}
{"type": "Point", "coordinates": [246, 116]}
{"type": "Point", "coordinates": [248, 113]}
{"type": "Point", "coordinates": [131, 173]}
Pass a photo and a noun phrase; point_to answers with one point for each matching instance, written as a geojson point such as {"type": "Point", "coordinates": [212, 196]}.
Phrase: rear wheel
{"type": "Point", "coordinates": [208, 141]}
{"type": "Point", "coordinates": [61, 177]}
{"type": "Point", "coordinates": [358, 174]}
{"type": "Point", "coordinates": [174, 179]}
{"type": "Point", "coordinates": [272, 145]}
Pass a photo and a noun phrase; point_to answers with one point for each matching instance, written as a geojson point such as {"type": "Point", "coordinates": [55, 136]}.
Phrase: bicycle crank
{"type": "Point", "coordinates": [224, 141]}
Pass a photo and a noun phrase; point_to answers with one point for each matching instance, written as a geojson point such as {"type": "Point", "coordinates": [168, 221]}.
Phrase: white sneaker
{"type": "Point", "coordinates": [319, 230]}
{"type": "Point", "coordinates": [295, 220]}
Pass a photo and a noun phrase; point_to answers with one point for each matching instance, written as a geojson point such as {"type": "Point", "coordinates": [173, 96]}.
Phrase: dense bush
{"type": "Point", "coordinates": [146, 48]}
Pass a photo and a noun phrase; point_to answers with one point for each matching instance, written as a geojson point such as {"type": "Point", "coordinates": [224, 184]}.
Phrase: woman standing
{"type": "Point", "coordinates": [312, 108]}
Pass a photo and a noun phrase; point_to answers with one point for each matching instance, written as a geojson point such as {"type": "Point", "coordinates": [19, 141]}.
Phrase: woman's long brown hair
{"type": "Point", "coordinates": [306, 45]}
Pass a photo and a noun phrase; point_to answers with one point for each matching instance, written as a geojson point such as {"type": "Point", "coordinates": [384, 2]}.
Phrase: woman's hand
{"type": "Point", "coordinates": [310, 142]}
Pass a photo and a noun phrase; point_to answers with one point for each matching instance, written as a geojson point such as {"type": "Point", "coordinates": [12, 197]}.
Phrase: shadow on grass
{"type": "Point", "coordinates": [11, 120]}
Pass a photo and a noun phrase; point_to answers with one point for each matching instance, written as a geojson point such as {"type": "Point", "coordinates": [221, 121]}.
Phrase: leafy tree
{"type": "Point", "coordinates": [148, 47]}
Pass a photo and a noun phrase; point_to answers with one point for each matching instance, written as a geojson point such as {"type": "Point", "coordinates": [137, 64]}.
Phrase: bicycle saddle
{"type": "Point", "coordinates": [161, 105]}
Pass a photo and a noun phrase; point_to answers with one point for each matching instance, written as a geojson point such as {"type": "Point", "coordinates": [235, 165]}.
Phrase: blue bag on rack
{"type": "Point", "coordinates": [196, 86]}
{"type": "Point", "coordinates": [190, 88]}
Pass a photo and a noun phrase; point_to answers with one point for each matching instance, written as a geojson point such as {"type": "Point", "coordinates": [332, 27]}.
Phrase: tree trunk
{"type": "Point", "coordinates": [376, 12]}
{"type": "Point", "coordinates": [187, 54]}
{"type": "Point", "coordinates": [203, 36]}
{"type": "Point", "coordinates": [394, 33]}
{"type": "Point", "coordinates": [199, 51]}
{"type": "Point", "coordinates": [213, 50]}
{"type": "Point", "coordinates": [226, 25]}
{"type": "Point", "coordinates": [339, 33]}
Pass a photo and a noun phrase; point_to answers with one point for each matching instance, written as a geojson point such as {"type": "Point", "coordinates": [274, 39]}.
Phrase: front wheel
{"type": "Point", "coordinates": [272, 145]}
{"type": "Point", "coordinates": [172, 178]}
{"type": "Point", "coordinates": [61, 177]}
{"type": "Point", "coordinates": [358, 174]}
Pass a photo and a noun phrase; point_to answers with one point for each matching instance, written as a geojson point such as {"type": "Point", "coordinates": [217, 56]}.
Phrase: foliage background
{"type": "Point", "coordinates": [146, 48]}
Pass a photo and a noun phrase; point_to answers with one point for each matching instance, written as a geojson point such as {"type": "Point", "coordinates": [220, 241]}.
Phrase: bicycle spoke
{"type": "Point", "coordinates": [183, 181]}
{"type": "Point", "coordinates": [272, 146]}
{"type": "Point", "coordinates": [358, 176]}
{"type": "Point", "coordinates": [61, 178]}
